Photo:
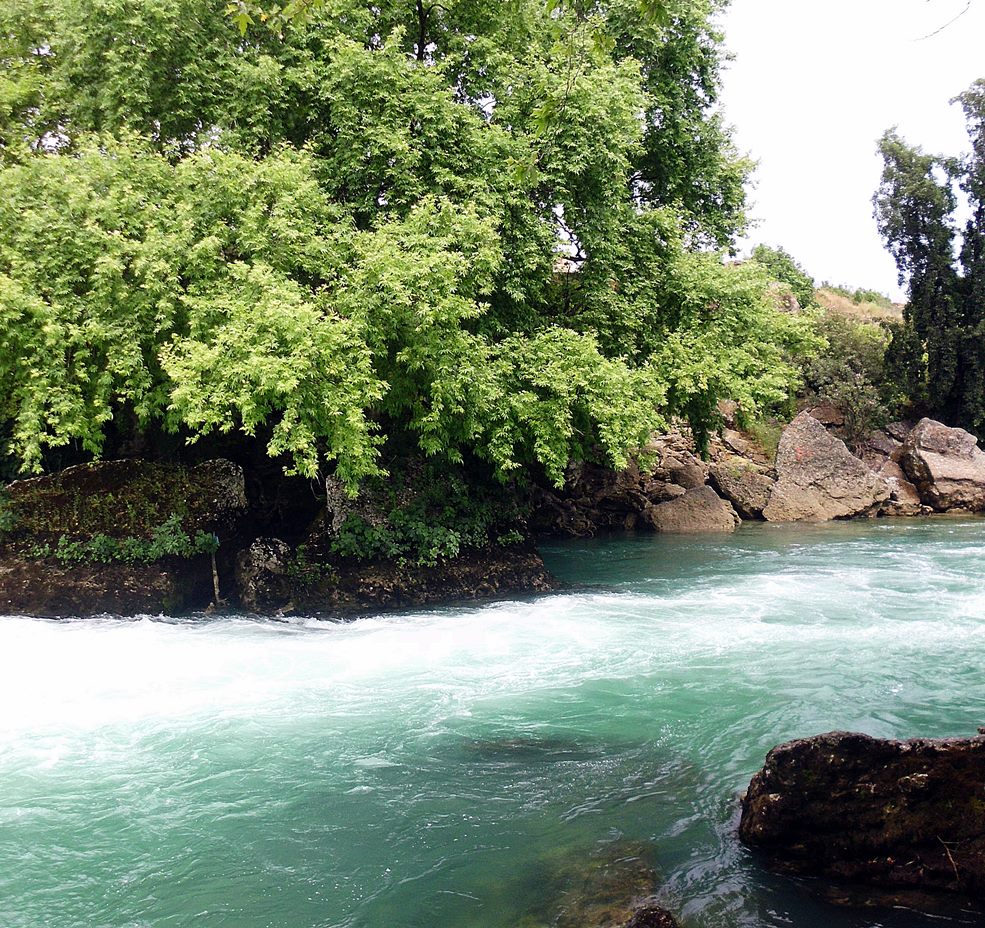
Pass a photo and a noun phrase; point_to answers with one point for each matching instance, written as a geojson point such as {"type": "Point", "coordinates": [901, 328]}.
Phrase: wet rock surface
{"type": "Point", "coordinates": [901, 815]}
{"type": "Point", "coordinates": [263, 582]}
{"type": "Point", "coordinates": [46, 588]}
{"type": "Point", "coordinates": [819, 479]}
{"type": "Point", "coordinates": [946, 466]}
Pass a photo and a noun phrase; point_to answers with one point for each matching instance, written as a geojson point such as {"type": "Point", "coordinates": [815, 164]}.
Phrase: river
{"type": "Point", "coordinates": [438, 769]}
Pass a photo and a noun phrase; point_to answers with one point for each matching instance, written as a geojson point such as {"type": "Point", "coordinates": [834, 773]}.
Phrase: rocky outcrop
{"type": "Point", "coordinates": [819, 479]}
{"type": "Point", "coordinates": [273, 579]}
{"type": "Point", "coordinates": [29, 586]}
{"type": "Point", "coordinates": [699, 510]}
{"type": "Point", "coordinates": [74, 543]}
{"type": "Point", "coordinates": [898, 814]}
{"type": "Point", "coordinates": [946, 466]}
{"type": "Point", "coordinates": [598, 499]}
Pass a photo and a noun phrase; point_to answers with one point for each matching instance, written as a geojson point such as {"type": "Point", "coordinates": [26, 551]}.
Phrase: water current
{"type": "Point", "coordinates": [438, 769]}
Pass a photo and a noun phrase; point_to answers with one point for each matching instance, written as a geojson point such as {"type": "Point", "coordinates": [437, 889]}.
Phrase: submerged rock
{"type": "Point", "coordinates": [697, 511]}
{"type": "Point", "coordinates": [819, 479]}
{"type": "Point", "coordinates": [906, 815]}
{"type": "Point", "coordinates": [610, 886]}
{"type": "Point", "coordinates": [946, 465]}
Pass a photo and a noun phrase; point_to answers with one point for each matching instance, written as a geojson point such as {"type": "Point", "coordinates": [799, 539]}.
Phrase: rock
{"type": "Point", "coordinates": [818, 478]}
{"type": "Point", "coordinates": [603, 887]}
{"type": "Point", "coordinates": [44, 587]}
{"type": "Point", "coordinates": [902, 815]}
{"type": "Point", "coordinates": [904, 500]}
{"type": "Point", "coordinates": [899, 430]}
{"type": "Point", "coordinates": [263, 582]}
{"type": "Point", "coordinates": [877, 449]}
{"type": "Point", "coordinates": [651, 915]}
{"type": "Point", "coordinates": [676, 462]}
{"type": "Point", "coordinates": [131, 502]}
{"type": "Point", "coordinates": [738, 443]}
{"type": "Point", "coordinates": [597, 499]}
{"type": "Point", "coordinates": [747, 486]}
{"type": "Point", "coordinates": [828, 415]}
{"type": "Point", "coordinates": [698, 510]}
{"type": "Point", "coordinates": [946, 465]}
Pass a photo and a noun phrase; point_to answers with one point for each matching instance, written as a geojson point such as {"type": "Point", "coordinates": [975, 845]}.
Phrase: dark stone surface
{"type": "Point", "coordinates": [904, 815]}
{"type": "Point", "coordinates": [46, 588]}
{"type": "Point", "coordinates": [651, 916]}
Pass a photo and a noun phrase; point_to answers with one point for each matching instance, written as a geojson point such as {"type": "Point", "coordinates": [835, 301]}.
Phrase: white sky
{"type": "Point", "coordinates": [813, 85]}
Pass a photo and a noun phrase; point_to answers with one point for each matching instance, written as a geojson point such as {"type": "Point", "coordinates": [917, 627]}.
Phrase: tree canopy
{"type": "Point", "coordinates": [939, 352]}
{"type": "Point", "coordinates": [488, 227]}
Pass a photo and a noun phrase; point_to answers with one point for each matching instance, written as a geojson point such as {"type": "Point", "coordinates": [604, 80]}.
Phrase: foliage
{"type": "Point", "coordinates": [436, 522]}
{"type": "Point", "coordinates": [850, 374]}
{"type": "Point", "coordinates": [766, 433]}
{"type": "Point", "coordinates": [345, 233]}
{"type": "Point", "coordinates": [784, 268]}
{"type": "Point", "coordinates": [8, 519]}
{"type": "Point", "coordinates": [168, 539]}
{"type": "Point", "coordinates": [939, 353]}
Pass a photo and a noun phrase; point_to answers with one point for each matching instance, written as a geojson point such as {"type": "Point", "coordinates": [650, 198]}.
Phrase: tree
{"type": "Point", "coordinates": [784, 268]}
{"type": "Point", "coordinates": [940, 346]}
{"type": "Point", "coordinates": [346, 233]}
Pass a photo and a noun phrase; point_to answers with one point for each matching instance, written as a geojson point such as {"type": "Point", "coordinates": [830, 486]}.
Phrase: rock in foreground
{"type": "Point", "coordinates": [819, 479]}
{"type": "Point", "coordinates": [946, 465]}
{"type": "Point", "coordinates": [901, 815]}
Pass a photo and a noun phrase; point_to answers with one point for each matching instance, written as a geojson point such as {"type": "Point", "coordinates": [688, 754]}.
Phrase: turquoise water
{"type": "Point", "coordinates": [432, 769]}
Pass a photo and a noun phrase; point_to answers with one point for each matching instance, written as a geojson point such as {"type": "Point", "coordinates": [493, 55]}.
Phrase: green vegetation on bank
{"type": "Point", "coordinates": [166, 540]}
{"type": "Point", "coordinates": [349, 233]}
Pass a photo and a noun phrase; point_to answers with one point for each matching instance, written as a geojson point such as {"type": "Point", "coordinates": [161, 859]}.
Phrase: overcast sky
{"type": "Point", "coordinates": [813, 86]}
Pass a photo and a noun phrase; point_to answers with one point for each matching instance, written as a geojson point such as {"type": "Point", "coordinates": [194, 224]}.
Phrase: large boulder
{"type": "Point", "coordinates": [819, 479]}
{"type": "Point", "coordinates": [745, 484]}
{"type": "Point", "coordinates": [698, 510]}
{"type": "Point", "coordinates": [903, 815]}
{"type": "Point", "coordinates": [946, 465]}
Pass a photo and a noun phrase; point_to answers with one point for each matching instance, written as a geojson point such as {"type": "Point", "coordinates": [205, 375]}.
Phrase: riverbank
{"type": "Point", "coordinates": [129, 537]}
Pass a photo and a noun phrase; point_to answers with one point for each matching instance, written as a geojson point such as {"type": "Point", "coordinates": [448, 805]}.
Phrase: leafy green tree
{"type": "Point", "coordinates": [347, 232]}
{"type": "Point", "coordinates": [784, 268]}
{"type": "Point", "coordinates": [938, 353]}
